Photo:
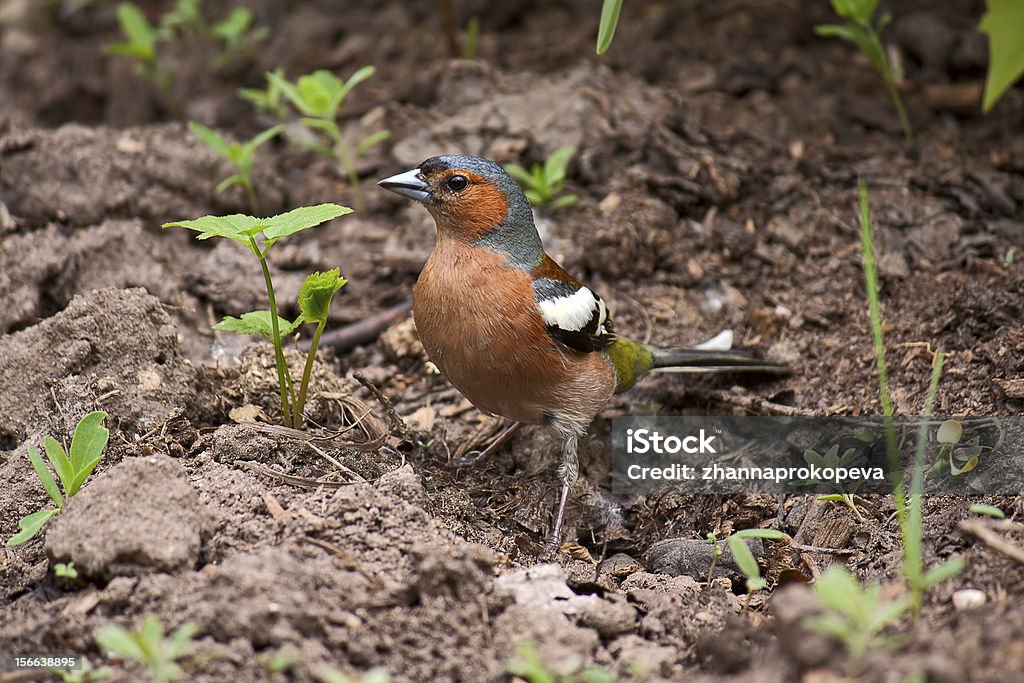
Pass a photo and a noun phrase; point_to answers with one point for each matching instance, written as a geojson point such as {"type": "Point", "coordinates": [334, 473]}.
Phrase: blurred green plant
{"type": "Point", "coordinates": [65, 571]}
{"type": "Point", "coordinates": [259, 235]}
{"type": "Point", "coordinates": [472, 38]}
{"type": "Point", "coordinates": [234, 36]}
{"type": "Point", "coordinates": [863, 30]}
{"type": "Point", "coordinates": [987, 510]}
{"type": "Point", "coordinates": [239, 155]}
{"type": "Point", "coordinates": [317, 97]}
{"type": "Point", "coordinates": [544, 181]}
{"type": "Point", "coordinates": [953, 458]}
{"type": "Point", "coordinates": [609, 22]}
{"type": "Point", "coordinates": [86, 674]}
{"type": "Point", "coordinates": [271, 99]}
{"type": "Point", "coordinates": [832, 459]}
{"type": "Point", "coordinates": [87, 447]}
{"type": "Point", "coordinates": [909, 515]}
{"type": "Point", "coordinates": [854, 614]}
{"type": "Point", "coordinates": [149, 646]}
{"type": "Point", "coordinates": [529, 665]}
{"type": "Point", "coordinates": [1003, 23]}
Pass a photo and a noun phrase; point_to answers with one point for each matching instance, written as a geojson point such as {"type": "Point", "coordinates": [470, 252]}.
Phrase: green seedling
{"type": "Point", "coordinates": [65, 571]}
{"type": "Point", "coordinates": [1004, 25]}
{"type": "Point", "coordinates": [149, 646]}
{"type": "Point", "coordinates": [832, 459]}
{"type": "Point", "coordinates": [908, 515]}
{"type": "Point", "coordinates": [317, 97]}
{"type": "Point", "coordinates": [854, 614]}
{"type": "Point", "coordinates": [472, 39]}
{"type": "Point", "coordinates": [239, 155]}
{"type": "Point", "coordinates": [72, 470]}
{"type": "Point", "coordinates": [140, 45]}
{"type": "Point", "coordinates": [237, 36]}
{"type": "Point", "coordinates": [270, 100]}
{"type": "Point", "coordinates": [987, 510]}
{"type": "Point", "coordinates": [543, 181]}
{"type": "Point", "coordinates": [529, 665]}
{"type": "Point", "coordinates": [863, 30]}
{"type": "Point", "coordinates": [746, 561]}
{"type": "Point", "coordinates": [86, 674]}
{"type": "Point", "coordinates": [258, 235]}
{"type": "Point", "coordinates": [609, 22]}
{"type": "Point", "coordinates": [953, 458]}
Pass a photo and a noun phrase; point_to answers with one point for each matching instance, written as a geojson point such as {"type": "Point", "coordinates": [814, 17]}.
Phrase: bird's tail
{"type": "Point", "coordinates": [633, 360]}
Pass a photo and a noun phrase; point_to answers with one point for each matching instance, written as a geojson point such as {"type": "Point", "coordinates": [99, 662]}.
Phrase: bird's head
{"type": "Point", "coordinates": [470, 198]}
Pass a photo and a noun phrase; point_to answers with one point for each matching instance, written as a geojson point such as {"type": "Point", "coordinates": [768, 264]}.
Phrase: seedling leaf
{"type": "Point", "coordinates": [743, 558]}
{"type": "Point", "coordinates": [257, 322]}
{"type": "Point", "coordinates": [556, 164]}
{"type": "Point", "coordinates": [609, 21]}
{"type": "Point", "coordinates": [1003, 24]}
{"type": "Point", "coordinates": [229, 181]}
{"type": "Point", "coordinates": [211, 138]}
{"type": "Point", "coordinates": [237, 227]}
{"type": "Point", "coordinates": [990, 510]}
{"type": "Point", "coordinates": [371, 140]}
{"type": "Point", "coordinates": [302, 218]}
{"type": "Point", "coordinates": [767, 534]}
{"type": "Point", "coordinates": [59, 459]}
{"type": "Point", "coordinates": [30, 526]}
{"type": "Point", "coordinates": [89, 441]}
{"type": "Point", "coordinates": [119, 641]}
{"type": "Point", "coordinates": [950, 432]}
{"type": "Point", "coordinates": [316, 293]}
{"type": "Point", "coordinates": [138, 30]}
{"type": "Point", "coordinates": [44, 476]}
{"type": "Point", "coordinates": [945, 571]}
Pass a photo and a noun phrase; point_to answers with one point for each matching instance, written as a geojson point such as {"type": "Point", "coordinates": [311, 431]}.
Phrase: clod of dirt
{"type": "Point", "coordinates": [564, 647]}
{"type": "Point", "coordinates": [692, 557]}
{"type": "Point", "coordinates": [609, 617]}
{"type": "Point", "coordinates": [139, 517]}
{"type": "Point", "coordinates": [462, 573]}
{"type": "Point", "coordinates": [114, 350]}
{"type": "Point", "coordinates": [806, 648]}
{"type": "Point", "coordinates": [81, 176]}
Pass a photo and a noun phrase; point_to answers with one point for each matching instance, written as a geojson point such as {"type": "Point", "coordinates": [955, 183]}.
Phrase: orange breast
{"type": "Point", "coordinates": [479, 324]}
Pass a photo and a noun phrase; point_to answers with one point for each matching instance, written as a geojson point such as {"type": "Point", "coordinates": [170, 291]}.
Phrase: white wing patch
{"type": "Point", "coordinates": [574, 311]}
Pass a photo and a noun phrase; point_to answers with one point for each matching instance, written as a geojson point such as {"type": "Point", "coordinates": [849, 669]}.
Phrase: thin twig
{"type": "Point", "coordinates": [985, 532]}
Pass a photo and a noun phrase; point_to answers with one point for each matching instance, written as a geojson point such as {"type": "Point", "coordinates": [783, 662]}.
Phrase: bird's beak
{"type": "Point", "coordinates": [407, 184]}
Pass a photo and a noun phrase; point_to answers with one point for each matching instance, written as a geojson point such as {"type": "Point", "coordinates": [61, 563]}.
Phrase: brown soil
{"type": "Point", "coordinates": [718, 151]}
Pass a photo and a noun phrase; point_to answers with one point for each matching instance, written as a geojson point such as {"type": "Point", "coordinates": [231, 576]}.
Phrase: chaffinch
{"type": "Point", "coordinates": [510, 328]}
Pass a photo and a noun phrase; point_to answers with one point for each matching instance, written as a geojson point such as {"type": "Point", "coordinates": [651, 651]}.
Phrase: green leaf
{"type": "Point", "coordinates": [743, 558]}
{"type": "Point", "coordinates": [950, 432]}
{"type": "Point", "coordinates": [945, 571]}
{"type": "Point", "coordinates": [233, 28]}
{"type": "Point", "coordinates": [814, 459]}
{"type": "Point", "coordinates": [835, 31]}
{"type": "Point", "coordinates": [990, 510]}
{"type": "Point", "coordinates": [30, 526]}
{"type": "Point", "coordinates": [136, 28]}
{"type": "Point", "coordinates": [302, 218]}
{"type": "Point", "coordinates": [228, 182]}
{"type": "Point", "coordinates": [119, 641]}
{"type": "Point", "coordinates": [557, 163]}
{"type": "Point", "coordinates": [371, 140]}
{"type": "Point", "coordinates": [83, 474]}
{"type": "Point", "coordinates": [355, 79]}
{"type": "Point", "coordinates": [322, 92]}
{"type": "Point", "coordinates": [59, 459]}
{"type": "Point", "coordinates": [535, 197]}
{"type": "Point", "coordinates": [837, 589]}
{"type": "Point", "coordinates": [263, 138]}
{"type": "Point", "coordinates": [44, 476]}
{"type": "Point", "coordinates": [210, 138]}
{"type": "Point", "coordinates": [520, 174]}
{"type": "Point", "coordinates": [291, 92]}
{"type": "Point", "coordinates": [767, 534]}
{"type": "Point", "coordinates": [316, 294]}
{"type": "Point", "coordinates": [180, 642]}
{"type": "Point", "coordinates": [257, 322]}
{"type": "Point", "coordinates": [237, 227]}
{"type": "Point", "coordinates": [609, 21]}
{"type": "Point", "coordinates": [564, 201]}
{"type": "Point", "coordinates": [1004, 23]}
{"type": "Point", "coordinates": [89, 441]}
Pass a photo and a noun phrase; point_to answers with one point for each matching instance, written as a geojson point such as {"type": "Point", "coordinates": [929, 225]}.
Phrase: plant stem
{"type": "Point", "coordinates": [908, 132]}
{"type": "Point", "coordinates": [341, 149]}
{"type": "Point", "coordinates": [307, 371]}
{"type": "Point", "coordinates": [282, 366]}
{"type": "Point", "coordinates": [250, 192]}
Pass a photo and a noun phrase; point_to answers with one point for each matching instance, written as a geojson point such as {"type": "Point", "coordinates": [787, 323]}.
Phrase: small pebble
{"type": "Point", "coordinates": [968, 598]}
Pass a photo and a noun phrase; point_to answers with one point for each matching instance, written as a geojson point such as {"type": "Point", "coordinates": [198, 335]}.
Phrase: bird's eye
{"type": "Point", "coordinates": [458, 183]}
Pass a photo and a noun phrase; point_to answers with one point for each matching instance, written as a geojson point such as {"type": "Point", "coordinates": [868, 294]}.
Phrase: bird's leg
{"type": "Point", "coordinates": [569, 471]}
{"type": "Point", "coordinates": [475, 457]}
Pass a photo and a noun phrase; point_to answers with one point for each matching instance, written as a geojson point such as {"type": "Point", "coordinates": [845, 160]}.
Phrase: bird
{"type": "Point", "coordinates": [514, 332]}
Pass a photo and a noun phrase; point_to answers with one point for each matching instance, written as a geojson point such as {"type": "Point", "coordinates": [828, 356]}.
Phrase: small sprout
{"type": "Point", "coordinates": [149, 646]}
{"type": "Point", "coordinates": [317, 97]}
{"type": "Point", "coordinates": [530, 666]}
{"type": "Point", "coordinates": [259, 235]}
{"type": "Point", "coordinates": [140, 45]}
{"type": "Point", "coordinates": [950, 432]}
{"type": "Point", "coordinates": [469, 45]}
{"type": "Point", "coordinates": [832, 459]}
{"type": "Point", "coordinates": [746, 561]}
{"type": "Point", "coordinates": [270, 100]}
{"type": "Point", "coordinates": [989, 510]}
{"type": "Point", "coordinates": [375, 675]}
{"type": "Point", "coordinates": [235, 35]}
{"type": "Point", "coordinates": [543, 181]}
{"type": "Point", "coordinates": [863, 31]}
{"type": "Point", "coordinates": [609, 21]}
{"type": "Point", "coordinates": [315, 298]}
{"type": "Point", "coordinates": [240, 156]}
{"type": "Point", "coordinates": [65, 571]}
{"type": "Point", "coordinates": [854, 614]}
{"type": "Point", "coordinates": [86, 452]}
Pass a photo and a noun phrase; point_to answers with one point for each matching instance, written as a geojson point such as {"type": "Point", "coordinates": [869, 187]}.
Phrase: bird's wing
{"type": "Point", "coordinates": [574, 314]}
